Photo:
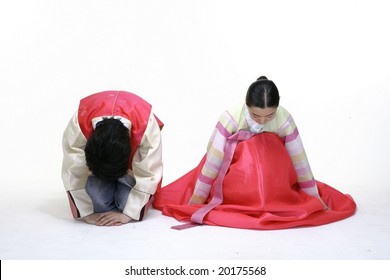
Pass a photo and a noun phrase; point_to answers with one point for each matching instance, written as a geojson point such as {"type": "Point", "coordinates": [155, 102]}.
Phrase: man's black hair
{"type": "Point", "coordinates": [108, 150]}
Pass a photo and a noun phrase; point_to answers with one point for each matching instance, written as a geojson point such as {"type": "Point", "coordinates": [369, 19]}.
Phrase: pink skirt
{"type": "Point", "coordinates": [260, 191]}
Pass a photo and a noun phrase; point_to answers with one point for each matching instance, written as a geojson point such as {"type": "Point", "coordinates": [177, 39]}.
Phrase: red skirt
{"type": "Point", "coordinates": [260, 191]}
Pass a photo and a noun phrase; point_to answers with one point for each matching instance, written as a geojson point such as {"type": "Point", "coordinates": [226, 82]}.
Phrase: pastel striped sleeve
{"type": "Point", "coordinates": [294, 146]}
{"type": "Point", "coordinates": [225, 127]}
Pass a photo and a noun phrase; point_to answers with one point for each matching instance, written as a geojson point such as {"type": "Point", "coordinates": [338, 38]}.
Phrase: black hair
{"type": "Point", "coordinates": [108, 150]}
{"type": "Point", "coordinates": [263, 93]}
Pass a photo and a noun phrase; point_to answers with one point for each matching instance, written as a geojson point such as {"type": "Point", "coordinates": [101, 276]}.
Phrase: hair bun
{"type": "Point", "coordinates": [262, 78]}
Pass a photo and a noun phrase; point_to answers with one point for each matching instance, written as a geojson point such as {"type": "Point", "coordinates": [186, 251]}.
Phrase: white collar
{"type": "Point", "coordinates": [254, 127]}
{"type": "Point", "coordinates": [125, 121]}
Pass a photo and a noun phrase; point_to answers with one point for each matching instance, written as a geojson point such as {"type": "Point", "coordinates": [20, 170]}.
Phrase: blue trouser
{"type": "Point", "coordinates": [109, 195]}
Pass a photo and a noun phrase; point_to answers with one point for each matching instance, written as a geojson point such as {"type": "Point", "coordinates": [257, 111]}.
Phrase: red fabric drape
{"type": "Point", "coordinates": [116, 103]}
{"type": "Point", "coordinates": [260, 191]}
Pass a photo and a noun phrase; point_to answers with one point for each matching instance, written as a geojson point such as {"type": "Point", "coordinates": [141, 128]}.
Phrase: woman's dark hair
{"type": "Point", "coordinates": [263, 94]}
{"type": "Point", "coordinates": [107, 152]}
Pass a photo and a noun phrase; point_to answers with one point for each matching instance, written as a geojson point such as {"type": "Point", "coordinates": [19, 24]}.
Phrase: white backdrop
{"type": "Point", "coordinates": [192, 60]}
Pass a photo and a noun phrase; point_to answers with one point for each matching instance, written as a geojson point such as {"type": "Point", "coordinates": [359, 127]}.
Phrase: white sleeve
{"type": "Point", "coordinates": [74, 169]}
{"type": "Point", "coordinates": [147, 170]}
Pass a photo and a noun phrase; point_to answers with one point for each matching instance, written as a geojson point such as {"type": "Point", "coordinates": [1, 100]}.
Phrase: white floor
{"type": "Point", "coordinates": [39, 226]}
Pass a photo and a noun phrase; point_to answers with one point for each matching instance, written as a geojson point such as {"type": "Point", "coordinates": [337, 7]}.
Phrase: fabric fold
{"type": "Point", "coordinates": [258, 191]}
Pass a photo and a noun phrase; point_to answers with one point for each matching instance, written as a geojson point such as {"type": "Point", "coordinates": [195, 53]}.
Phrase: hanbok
{"type": "Point", "coordinates": [86, 193]}
{"type": "Point", "coordinates": [258, 191]}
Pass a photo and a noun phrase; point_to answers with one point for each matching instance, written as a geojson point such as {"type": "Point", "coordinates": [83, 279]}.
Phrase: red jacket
{"type": "Point", "coordinates": [116, 103]}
